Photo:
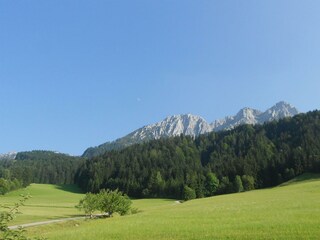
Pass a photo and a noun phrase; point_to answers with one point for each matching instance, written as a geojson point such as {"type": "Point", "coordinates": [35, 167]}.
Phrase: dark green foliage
{"type": "Point", "coordinates": [264, 155]}
{"type": "Point", "coordinates": [225, 186]}
{"type": "Point", "coordinates": [188, 193]}
{"type": "Point", "coordinates": [7, 185]}
{"type": "Point", "coordinates": [238, 187]}
{"type": "Point", "coordinates": [41, 167]}
{"type": "Point", "coordinates": [247, 182]}
{"type": "Point", "coordinates": [156, 169]}
{"type": "Point", "coordinates": [211, 184]}
{"type": "Point", "coordinates": [155, 185]}
{"type": "Point", "coordinates": [288, 173]}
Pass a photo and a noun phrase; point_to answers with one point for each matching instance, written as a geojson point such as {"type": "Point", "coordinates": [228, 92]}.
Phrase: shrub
{"type": "Point", "coordinates": [211, 184]}
{"type": "Point", "coordinates": [113, 202]}
{"type": "Point", "coordinates": [188, 193]}
{"type": "Point", "coordinates": [238, 187]}
{"type": "Point", "coordinates": [248, 182]}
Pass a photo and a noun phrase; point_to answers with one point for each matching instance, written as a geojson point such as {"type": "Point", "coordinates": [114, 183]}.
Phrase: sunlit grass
{"type": "Point", "coordinates": [47, 202]}
{"type": "Point", "coordinates": [284, 212]}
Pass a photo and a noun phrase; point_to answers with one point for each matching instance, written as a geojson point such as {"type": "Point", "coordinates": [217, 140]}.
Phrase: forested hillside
{"type": "Point", "coordinates": [229, 161]}
{"type": "Point", "coordinates": [41, 167]}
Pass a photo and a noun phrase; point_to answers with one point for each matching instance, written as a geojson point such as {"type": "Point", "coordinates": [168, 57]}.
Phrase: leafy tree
{"type": "Point", "coordinates": [238, 187]}
{"type": "Point", "coordinates": [288, 173]}
{"type": "Point", "coordinates": [111, 202]}
{"type": "Point", "coordinates": [89, 204]}
{"type": "Point", "coordinates": [156, 184]}
{"type": "Point", "coordinates": [188, 193]}
{"type": "Point", "coordinates": [211, 184]}
{"type": "Point", "coordinates": [106, 201]}
{"type": "Point", "coordinates": [247, 182]}
{"type": "Point", "coordinates": [225, 186]}
{"type": "Point", "coordinates": [4, 186]}
{"type": "Point", "coordinates": [7, 185]}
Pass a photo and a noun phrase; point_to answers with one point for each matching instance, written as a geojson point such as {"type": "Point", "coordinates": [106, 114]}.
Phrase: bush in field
{"type": "Point", "coordinates": [211, 184]}
{"type": "Point", "coordinates": [106, 201]}
{"type": "Point", "coordinates": [113, 202]}
{"type": "Point", "coordinates": [188, 193]}
{"type": "Point", "coordinates": [248, 182]}
{"type": "Point", "coordinates": [225, 186]}
{"type": "Point", "coordinates": [238, 187]}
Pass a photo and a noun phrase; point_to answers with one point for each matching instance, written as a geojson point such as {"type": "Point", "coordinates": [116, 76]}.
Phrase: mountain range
{"type": "Point", "coordinates": [188, 124]}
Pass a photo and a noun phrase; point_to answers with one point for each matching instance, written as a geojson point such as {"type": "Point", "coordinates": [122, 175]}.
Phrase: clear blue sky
{"type": "Point", "coordinates": [75, 74]}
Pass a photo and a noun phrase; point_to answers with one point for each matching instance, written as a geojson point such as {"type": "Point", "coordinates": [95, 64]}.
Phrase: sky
{"type": "Point", "coordinates": [75, 74]}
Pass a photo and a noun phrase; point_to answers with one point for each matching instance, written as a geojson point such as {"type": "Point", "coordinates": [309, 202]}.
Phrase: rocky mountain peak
{"type": "Point", "coordinates": [280, 110]}
{"type": "Point", "coordinates": [247, 116]}
{"type": "Point", "coordinates": [188, 124]}
{"type": "Point", "coordinates": [174, 125]}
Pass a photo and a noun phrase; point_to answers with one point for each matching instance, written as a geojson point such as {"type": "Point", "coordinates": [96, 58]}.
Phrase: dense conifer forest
{"type": "Point", "coordinates": [244, 158]}
{"type": "Point", "coordinates": [241, 159]}
{"type": "Point", "coordinates": [40, 167]}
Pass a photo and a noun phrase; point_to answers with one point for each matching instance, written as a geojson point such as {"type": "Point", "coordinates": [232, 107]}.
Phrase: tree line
{"type": "Point", "coordinates": [241, 159]}
{"type": "Point", "coordinates": [41, 167]}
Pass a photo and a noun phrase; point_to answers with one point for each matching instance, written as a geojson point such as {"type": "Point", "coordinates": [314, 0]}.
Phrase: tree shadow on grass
{"type": "Point", "coordinates": [72, 188]}
{"type": "Point", "coordinates": [303, 177]}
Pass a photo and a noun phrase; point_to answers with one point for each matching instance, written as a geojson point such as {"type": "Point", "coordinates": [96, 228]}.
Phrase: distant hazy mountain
{"type": "Point", "coordinates": [192, 125]}
{"type": "Point", "coordinates": [8, 156]}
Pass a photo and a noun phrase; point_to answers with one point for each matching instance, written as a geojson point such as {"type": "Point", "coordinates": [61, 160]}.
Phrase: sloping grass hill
{"type": "Point", "coordinates": [47, 202]}
{"type": "Point", "coordinates": [290, 211]}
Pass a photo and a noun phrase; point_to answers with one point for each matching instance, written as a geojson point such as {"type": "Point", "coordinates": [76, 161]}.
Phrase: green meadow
{"type": "Point", "coordinates": [47, 202]}
{"type": "Point", "coordinates": [289, 211]}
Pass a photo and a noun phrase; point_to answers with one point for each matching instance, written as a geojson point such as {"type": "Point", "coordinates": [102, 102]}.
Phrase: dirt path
{"type": "Point", "coordinates": [45, 222]}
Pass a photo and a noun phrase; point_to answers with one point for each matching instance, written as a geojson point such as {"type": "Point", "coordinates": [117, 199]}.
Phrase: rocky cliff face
{"type": "Point", "coordinates": [173, 126]}
{"type": "Point", "coordinates": [253, 116]}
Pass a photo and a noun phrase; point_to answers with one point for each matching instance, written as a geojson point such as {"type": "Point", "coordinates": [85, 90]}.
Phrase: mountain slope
{"type": "Point", "coordinates": [192, 125]}
{"type": "Point", "coordinates": [253, 116]}
{"type": "Point", "coordinates": [175, 125]}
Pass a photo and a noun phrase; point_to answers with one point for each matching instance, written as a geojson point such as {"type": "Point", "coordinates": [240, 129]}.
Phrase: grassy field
{"type": "Point", "coordinates": [58, 201]}
{"type": "Point", "coordinates": [47, 202]}
{"type": "Point", "coordinates": [290, 211]}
